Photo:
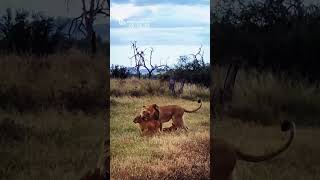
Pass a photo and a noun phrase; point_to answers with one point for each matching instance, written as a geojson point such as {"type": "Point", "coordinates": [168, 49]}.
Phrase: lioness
{"type": "Point", "coordinates": [226, 155]}
{"type": "Point", "coordinates": [166, 113]}
{"type": "Point", "coordinates": [147, 126]}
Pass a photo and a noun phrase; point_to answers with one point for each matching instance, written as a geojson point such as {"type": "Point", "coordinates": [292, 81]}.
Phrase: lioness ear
{"type": "Point", "coordinates": [156, 107]}
{"type": "Point", "coordinates": [157, 113]}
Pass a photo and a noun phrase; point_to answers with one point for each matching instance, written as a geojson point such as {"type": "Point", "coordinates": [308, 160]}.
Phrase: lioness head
{"type": "Point", "coordinates": [150, 112]}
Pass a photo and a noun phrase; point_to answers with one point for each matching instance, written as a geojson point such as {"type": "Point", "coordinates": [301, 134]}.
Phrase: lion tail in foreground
{"type": "Point", "coordinates": [199, 101]}
{"type": "Point", "coordinates": [285, 126]}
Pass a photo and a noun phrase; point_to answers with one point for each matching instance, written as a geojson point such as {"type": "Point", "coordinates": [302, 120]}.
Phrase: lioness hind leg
{"type": "Point", "coordinates": [179, 123]}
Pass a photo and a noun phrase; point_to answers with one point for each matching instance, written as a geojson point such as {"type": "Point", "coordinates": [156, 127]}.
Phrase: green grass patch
{"type": "Point", "coordinates": [167, 155]}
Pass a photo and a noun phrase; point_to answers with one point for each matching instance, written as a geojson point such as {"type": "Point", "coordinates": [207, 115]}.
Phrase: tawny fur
{"type": "Point", "coordinates": [225, 155]}
{"type": "Point", "coordinates": [166, 113]}
{"type": "Point", "coordinates": [147, 126]}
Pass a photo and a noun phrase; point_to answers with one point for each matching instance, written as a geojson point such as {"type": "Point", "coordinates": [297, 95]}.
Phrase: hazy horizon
{"type": "Point", "coordinates": [119, 54]}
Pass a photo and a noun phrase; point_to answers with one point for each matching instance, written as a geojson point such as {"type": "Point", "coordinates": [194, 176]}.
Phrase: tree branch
{"type": "Point", "coordinates": [84, 8]}
{"type": "Point", "coordinates": [105, 12]}
{"type": "Point", "coordinates": [91, 6]}
{"type": "Point", "coordinates": [74, 24]}
{"type": "Point", "coordinates": [98, 5]}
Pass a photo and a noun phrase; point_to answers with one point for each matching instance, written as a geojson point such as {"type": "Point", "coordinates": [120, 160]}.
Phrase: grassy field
{"type": "Point", "coordinates": [300, 162]}
{"type": "Point", "coordinates": [178, 155]}
{"type": "Point", "coordinates": [49, 145]}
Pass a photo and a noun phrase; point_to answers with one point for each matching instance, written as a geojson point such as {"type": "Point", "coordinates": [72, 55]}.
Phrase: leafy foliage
{"type": "Point", "coordinates": [37, 34]}
{"type": "Point", "coordinates": [190, 70]}
{"type": "Point", "coordinates": [117, 71]}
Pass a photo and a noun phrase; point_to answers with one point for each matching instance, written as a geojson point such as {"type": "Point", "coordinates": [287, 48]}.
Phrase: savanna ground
{"type": "Point", "coordinates": [252, 122]}
{"type": "Point", "coordinates": [51, 115]}
{"type": "Point", "coordinates": [177, 155]}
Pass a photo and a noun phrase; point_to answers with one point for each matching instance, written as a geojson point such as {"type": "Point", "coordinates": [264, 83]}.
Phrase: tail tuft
{"type": "Point", "coordinates": [286, 125]}
{"type": "Point", "coordinates": [199, 101]}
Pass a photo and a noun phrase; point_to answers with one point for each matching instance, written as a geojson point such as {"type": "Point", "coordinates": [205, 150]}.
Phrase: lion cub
{"type": "Point", "coordinates": [147, 126]}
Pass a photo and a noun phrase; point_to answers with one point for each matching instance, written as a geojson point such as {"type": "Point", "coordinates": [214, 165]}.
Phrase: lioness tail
{"type": "Point", "coordinates": [285, 126]}
{"type": "Point", "coordinates": [199, 101]}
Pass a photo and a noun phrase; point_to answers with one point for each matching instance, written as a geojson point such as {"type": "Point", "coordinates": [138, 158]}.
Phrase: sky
{"type": "Point", "coordinates": [173, 28]}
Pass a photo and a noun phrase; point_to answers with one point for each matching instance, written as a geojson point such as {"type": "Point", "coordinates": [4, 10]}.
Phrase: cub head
{"type": "Point", "coordinates": [138, 119]}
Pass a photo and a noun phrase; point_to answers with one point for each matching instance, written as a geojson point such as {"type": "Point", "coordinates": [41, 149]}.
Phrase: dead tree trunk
{"type": "Point", "coordinates": [136, 57]}
{"type": "Point", "coordinates": [138, 72]}
{"type": "Point", "coordinates": [93, 43]}
{"type": "Point", "coordinates": [84, 22]}
{"type": "Point", "coordinates": [229, 83]}
{"type": "Point", "coordinates": [180, 91]}
{"type": "Point", "coordinates": [141, 60]}
{"type": "Point", "coordinates": [172, 86]}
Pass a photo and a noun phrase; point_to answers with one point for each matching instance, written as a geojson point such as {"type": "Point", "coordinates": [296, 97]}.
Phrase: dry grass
{"type": "Point", "coordinates": [147, 87]}
{"type": "Point", "coordinates": [178, 155]}
{"type": "Point", "coordinates": [69, 80]}
{"type": "Point", "coordinates": [300, 162]}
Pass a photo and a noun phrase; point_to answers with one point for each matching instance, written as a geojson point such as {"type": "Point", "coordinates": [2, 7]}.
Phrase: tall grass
{"type": "Point", "coordinates": [147, 87]}
{"type": "Point", "coordinates": [71, 80]}
{"type": "Point", "coordinates": [268, 98]}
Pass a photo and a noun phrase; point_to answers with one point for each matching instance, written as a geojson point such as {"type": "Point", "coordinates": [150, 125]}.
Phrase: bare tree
{"type": "Point", "coordinates": [136, 56]}
{"type": "Point", "coordinates": [142, 61]}
{"type": "Point", "coordinates": [199, 56]}
{"type": "Point", "coordinates": [84, 23]}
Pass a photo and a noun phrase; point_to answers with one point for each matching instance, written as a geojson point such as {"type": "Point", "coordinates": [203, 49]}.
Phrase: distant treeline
{"type": "Point", "coordinates": [22, 32]}
{"type": "Point", "coordinates": [187, 69]}
{"type": "Point", "coordinates": [279, 35]}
